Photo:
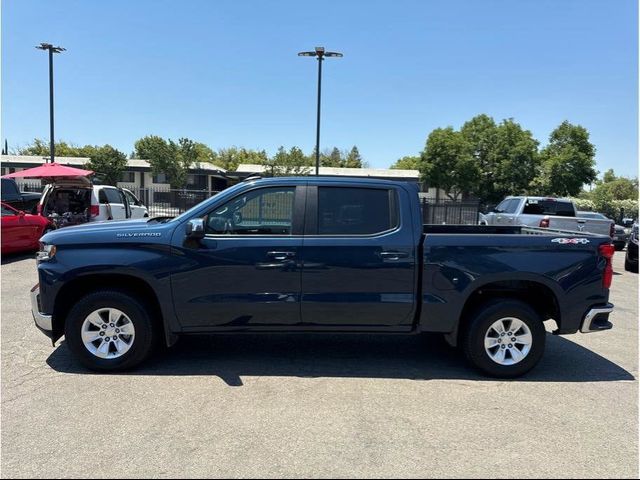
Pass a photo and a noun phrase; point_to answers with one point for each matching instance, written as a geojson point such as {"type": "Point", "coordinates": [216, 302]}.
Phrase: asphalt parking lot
{"type": "Point", "coordinates": [321, 406]}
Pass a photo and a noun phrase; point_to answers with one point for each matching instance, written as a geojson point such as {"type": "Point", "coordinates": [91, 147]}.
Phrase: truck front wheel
{"type": "Point", "coordinates": [504, 339]}
{"type": "Point", "coordinates": [109, 331]}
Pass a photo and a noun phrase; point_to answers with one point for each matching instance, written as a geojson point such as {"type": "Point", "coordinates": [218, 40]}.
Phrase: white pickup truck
{"type": "Point", "coordinates": [554, 213]}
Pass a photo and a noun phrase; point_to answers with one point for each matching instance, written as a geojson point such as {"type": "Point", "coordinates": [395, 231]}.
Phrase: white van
{"type": "Point", "coordinates": [76, 201]}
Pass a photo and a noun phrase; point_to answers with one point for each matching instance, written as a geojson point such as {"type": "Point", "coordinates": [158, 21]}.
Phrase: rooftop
{"type": "Point", "coordinates": [79, 161]}
{"type": "Point", "coordinates": [341, 172]}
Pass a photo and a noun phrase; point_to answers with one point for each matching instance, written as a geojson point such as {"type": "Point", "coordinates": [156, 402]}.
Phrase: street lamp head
{"type": "Point", "coordinates": [48, 46]}
{"type": "Point", "coordinates": [320, 53]}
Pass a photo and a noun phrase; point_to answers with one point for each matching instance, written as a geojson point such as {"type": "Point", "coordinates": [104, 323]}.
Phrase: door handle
{"type": "Point", "coordinates": [281, 255]}
{"type": "Point", "coordinates": [393, 255]}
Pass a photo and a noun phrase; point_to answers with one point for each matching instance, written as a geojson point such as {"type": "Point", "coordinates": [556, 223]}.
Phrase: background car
{"type": "Point", "coordinates": [21, 231]}
{"type": "Point", "coordinates": [620, 234]}
{"type": "Point", "coordinates": [75, 201]}
{"type": "Point", "coordinates": [631, 259]}
{"type": "Point", "coordinates": [11, 195]}
{"type": "Point", "coordinates": [546, 212]}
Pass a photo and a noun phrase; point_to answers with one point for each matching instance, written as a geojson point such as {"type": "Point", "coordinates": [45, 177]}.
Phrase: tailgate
{"type": "Point", "coordinates": [586, 225]}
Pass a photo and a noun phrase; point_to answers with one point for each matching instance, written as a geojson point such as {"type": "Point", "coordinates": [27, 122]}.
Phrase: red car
{"type": "Point", "coordinates": [21, 231]}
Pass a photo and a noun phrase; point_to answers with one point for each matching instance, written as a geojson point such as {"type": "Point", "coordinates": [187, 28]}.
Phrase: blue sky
{"type": "Point", "coordinates": [226, 72]}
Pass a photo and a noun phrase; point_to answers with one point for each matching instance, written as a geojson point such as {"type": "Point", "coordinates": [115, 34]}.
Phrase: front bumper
{"type": "Point", "coordinates": [43, 321]}
{"type": "Point", "coordinates": [597, 319]}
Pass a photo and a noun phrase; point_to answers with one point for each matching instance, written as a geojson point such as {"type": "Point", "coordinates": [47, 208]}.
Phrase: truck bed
{"type": "Point", "coordinates": [462, 261]}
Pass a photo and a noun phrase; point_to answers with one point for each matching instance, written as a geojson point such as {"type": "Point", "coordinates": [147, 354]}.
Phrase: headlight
{"type": "Point", "coordinates": [46, 253]}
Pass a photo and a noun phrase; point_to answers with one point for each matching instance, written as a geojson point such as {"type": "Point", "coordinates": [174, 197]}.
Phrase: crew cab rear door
{"type": "Point", "coordinates": [359, 258]}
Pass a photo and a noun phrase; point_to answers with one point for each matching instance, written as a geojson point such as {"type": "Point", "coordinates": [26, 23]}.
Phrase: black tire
{"type": "Point", "coordinates": [145, 334]}
{"type": "Point", "coordinates": [630, 266]}
{"type": "Point", "coordinates": [473, 337]}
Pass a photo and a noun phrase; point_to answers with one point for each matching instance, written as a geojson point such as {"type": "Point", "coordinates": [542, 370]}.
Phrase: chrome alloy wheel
{"type": "Point", "coordinates": [108, 333]}
{"type": "Point", "coordinates": [508, 341]}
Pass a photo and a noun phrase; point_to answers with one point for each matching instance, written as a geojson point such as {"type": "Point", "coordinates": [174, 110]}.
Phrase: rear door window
{"type": "Point", "coordinates": [110, 195]}
{"type": "Point", "coordinates": [356, 211]}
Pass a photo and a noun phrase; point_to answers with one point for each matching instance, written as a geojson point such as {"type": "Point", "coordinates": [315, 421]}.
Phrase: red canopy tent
{"type": "Point", "coordinates": [50, 170]}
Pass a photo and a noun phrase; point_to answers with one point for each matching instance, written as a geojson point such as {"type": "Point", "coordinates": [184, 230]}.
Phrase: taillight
{"type": "Point", "coordinates": [607, 250]}
{"type": "Point", "coordinates": [94, 210]}
{"type": "Point", "coordinates": [544, 223]}
{"type": "Point", "coordinates": [612, 230]}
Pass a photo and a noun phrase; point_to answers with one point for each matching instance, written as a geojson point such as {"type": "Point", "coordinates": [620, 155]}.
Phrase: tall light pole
{"type": "Point", "coordinates": [320, 54]}
{"type": "Point", "coordinates": [52, 50]}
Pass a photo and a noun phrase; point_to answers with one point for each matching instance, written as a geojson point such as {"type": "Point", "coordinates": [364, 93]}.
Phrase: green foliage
{"type": "Point", "coordinates": [480, 134]}
{"type": "Point", "coordinates": [40, 148]}
{"type": "Point", "coordinates": [230, 158]}
{"type": "Point", "coordinates": [293, 162]}
{"type": "Point", "coordinates": [168, 157]}
{"type": "Point", "coordinates": [447, 163]}
{"type": "Point", "coordinates": [613, 196]}
{"type": "Point", "coordinates": [331, 158]}
{"type": "Point", "coordinates": [161, 155]}
{"type": "Point", "coordinates": [353, 159]}
{"type": "Point", "coordinates": [108, 163]}
{"type": "Point", "coordinates": [514, 161]}
{"type": "Point", "coordinates": [204, 154]}
{"type": "Point", "coordinates": [407, 163]}
{"type": "Point", "coordinates": [568, 161]}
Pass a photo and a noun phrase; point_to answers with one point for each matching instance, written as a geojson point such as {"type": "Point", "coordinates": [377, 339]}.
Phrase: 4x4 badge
{"type": "Point", "coordinates": [571, 241]}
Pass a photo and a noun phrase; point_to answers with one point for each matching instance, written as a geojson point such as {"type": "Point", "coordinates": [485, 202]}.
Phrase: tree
{"type": "Point", "coordinates": [514, 161]}
{"type": "Point", "coordinates": [353, 159]}
{"type": "Point", "coordinates": [108, 163]}
{"type": "Point", "coordinates": [568, 161]}
{"type": "Point", "coordinates": [609, 176]}
{"type": "Point", "coordinates": [406, 163]}
{"type": "Point", "coordinates": [40, 148]}
{"type": "Point", "coordinates": [162, 155]}
{"type": "Point", "coordinates": [293, 162]}
{"type": "Point", "coordinates": [205, 154]}
{"type": "Point", "coordinates": [331, 158]}
{"type": "Point", "coordinates": [230, 158]}
{"type": "Point", "coordinates": [447, 164]}
{"type": "Point", "coordinates": [480, 135]}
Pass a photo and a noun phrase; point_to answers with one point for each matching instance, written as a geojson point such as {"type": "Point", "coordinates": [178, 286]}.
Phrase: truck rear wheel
{"type": "Point", "coordinates": [504, 339]}
{"type": "Point", "coordinates": [109, 331]}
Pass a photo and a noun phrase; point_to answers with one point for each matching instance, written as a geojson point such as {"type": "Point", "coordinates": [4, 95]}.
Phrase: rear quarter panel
{"type": "Point", "coordinates": [455, 266]}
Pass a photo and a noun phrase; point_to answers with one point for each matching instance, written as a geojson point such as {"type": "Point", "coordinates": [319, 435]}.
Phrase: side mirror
{"type": "Point", "coordinates": [195, 229]}
{"type": "Point", "coordinates": [21, 213]}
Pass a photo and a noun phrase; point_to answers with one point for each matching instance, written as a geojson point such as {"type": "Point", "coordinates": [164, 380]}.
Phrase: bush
{"type": "Point", "coordinates": [615, 209]}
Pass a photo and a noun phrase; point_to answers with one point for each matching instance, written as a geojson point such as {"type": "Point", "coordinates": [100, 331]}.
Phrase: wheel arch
{"type": "Point", "coordinates": [83, 285]}
{"type": "Point", "coordinates": [535, 293]}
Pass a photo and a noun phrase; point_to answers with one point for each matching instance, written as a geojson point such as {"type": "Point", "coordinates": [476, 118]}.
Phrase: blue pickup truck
{"type": "Point", "coordinates": [315, 254]}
